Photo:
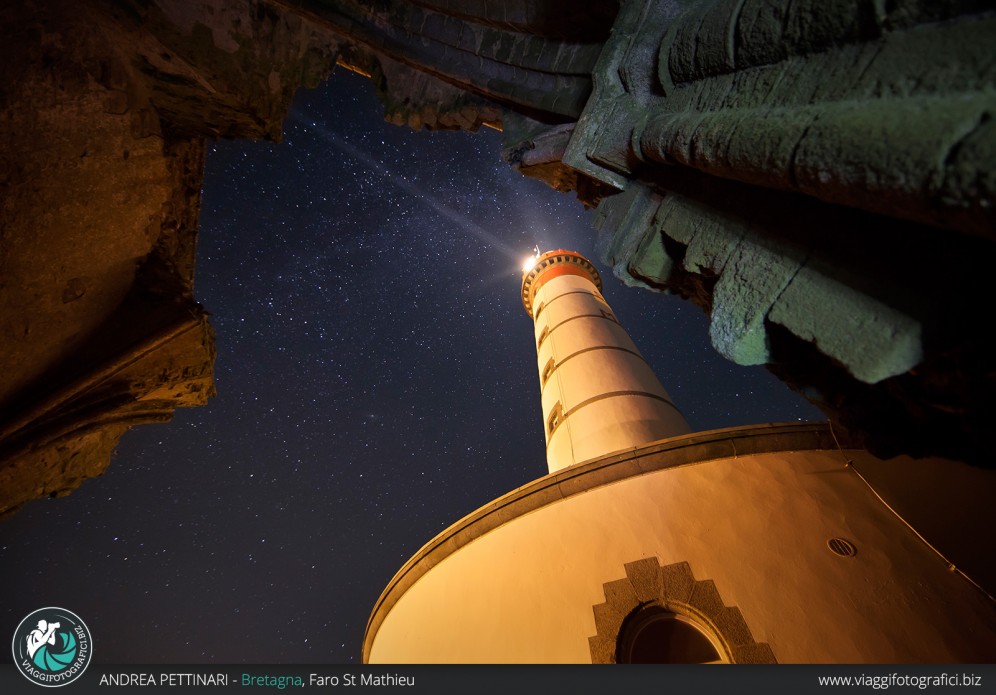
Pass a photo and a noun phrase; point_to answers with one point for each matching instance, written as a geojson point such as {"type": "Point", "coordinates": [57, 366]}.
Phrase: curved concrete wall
{"type": "Point", "coordinates": [757, 525]}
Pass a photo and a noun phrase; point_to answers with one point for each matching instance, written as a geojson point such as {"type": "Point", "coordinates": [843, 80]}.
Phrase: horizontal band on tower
{"type": "Point", "coordinates": [584, 316]}
{"type": "Point", "coordinates": [557, 365]}
{"type": "Point", "coordinates": [542, 307]}
{"type": "Point", "coordinates": [601, 397]}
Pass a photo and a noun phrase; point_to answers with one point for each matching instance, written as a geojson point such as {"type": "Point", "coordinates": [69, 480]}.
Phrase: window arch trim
{"type": "Point", "coordinates": [674, 588]}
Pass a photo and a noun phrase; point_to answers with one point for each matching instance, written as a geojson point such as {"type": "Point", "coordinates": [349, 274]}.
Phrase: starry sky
{"type": "Point", "coordinates": [376, 381]}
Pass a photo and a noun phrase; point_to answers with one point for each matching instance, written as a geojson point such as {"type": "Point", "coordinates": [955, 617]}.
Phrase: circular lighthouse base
{"type": "Point", "coordinates": [747, 545]}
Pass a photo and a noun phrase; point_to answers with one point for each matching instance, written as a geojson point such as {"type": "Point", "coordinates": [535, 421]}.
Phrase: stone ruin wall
{"type": "Point", "coordinates": [817, 176]}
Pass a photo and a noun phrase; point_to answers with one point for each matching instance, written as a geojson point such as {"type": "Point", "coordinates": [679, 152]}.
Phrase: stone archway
{"type": "Point", "coordinates": [673, 587]}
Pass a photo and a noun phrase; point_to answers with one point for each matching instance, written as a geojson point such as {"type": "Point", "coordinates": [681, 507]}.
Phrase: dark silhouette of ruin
{"type": "Point", "coordinates": [817, 176]}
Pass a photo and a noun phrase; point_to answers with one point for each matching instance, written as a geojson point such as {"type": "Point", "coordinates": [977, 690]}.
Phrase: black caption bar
{"type": "Point", "coordinates": [519, 680]}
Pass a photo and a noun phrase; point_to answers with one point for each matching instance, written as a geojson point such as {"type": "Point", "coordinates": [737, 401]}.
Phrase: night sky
{"type": "Point", "coordinates": [376, 382]}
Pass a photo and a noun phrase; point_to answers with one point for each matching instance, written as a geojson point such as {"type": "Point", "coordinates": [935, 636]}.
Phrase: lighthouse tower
{"type": "Point", "coordinates": [771, 543]}
{"type": "Point", "coordinates": [598, 393]}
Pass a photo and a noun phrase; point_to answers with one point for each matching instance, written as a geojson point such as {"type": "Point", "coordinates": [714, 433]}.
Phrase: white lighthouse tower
{"type": "Point", "coordinates": [598, 393]}
{"type": "Point", "coordinates": [647, 543]}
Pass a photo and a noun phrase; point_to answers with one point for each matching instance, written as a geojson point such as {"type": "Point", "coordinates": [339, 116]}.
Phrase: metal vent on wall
{"type": "Point", "coordinates": [842, 547]}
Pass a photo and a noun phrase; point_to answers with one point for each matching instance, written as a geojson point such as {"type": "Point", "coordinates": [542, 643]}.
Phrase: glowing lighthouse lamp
{"type": "Point", "coordinates": [598, 393]}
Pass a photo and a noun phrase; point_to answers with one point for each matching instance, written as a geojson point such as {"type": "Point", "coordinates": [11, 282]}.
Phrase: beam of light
{"type": "Point", "coordinates": [460, 220]}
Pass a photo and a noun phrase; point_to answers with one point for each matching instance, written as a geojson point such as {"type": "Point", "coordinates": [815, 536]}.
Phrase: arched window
{"type": "Point", "coordinates": [655, 635]}
{"type": "Point", "coordinates": [662, 614]}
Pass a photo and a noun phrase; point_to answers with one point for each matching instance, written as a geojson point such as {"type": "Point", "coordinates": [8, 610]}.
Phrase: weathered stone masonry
{"type": "Point", "coordinates": [817, 176]}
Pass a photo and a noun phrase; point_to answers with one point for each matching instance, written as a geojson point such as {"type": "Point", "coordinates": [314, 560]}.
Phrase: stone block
{"type": "Point", "coordinates": [646, 579]}
{"type": "Point", "coordinates": [608, 618]}
{"type": "Point", "coordinates": [730, 623]}
{"type": "Point", "coordinates": [709, 234]}
{"type": "Point", "coordinates": [758, 33]}
{"type": "Point", "coordinates": [621, 595]}
{"type": "Point", "coordinates": [713, 49]}
{"type": "Point", "coordinates": [706, 599]}
{"type": "Point", "coordinates": [651, 262]}
{"type": "Point", "coordinates": [873, 340]}
{"type": "Point", "coordinates": [624, 221]}
{"type": "Point", "coordinates": [603, 650]}
{"type": "Point", "coordinates": [613, 147]}
{"type": "Point", "coordinates": [680, 54]}
{"type": "Point", "coordinates": [753, 653]}
{"type": "Point", "coordinates": [752, 281]}
{"type": "Point", "coordinates": [678, 582]}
